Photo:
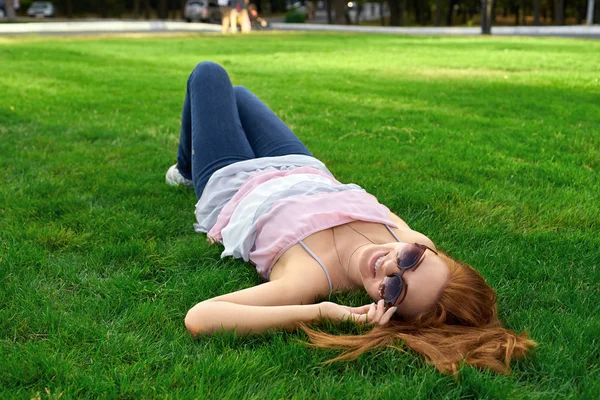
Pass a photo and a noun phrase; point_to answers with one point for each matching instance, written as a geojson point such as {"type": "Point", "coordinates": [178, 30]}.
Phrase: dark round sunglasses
{"type": "Point", "coordinates": [393, 288]}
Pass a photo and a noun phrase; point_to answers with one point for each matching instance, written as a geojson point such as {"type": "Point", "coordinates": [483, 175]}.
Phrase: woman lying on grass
{"type": "Point", "coordinates": [269, 201]}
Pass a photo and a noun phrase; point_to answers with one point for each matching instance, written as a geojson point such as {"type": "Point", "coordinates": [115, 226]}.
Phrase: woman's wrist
{"type": "Point", "coordinates": [325, 310]}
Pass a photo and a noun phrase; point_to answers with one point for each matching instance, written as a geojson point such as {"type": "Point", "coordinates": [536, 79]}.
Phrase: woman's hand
{"type": "Point", "coordinates": [372, 314]}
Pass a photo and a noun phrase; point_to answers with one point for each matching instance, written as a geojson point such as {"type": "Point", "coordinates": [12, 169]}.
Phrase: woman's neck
{"type": "Point", "coordinates": [347, 242]}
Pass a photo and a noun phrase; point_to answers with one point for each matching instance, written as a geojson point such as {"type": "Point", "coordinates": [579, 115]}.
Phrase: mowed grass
{"type": "Point", "coordinates": [490, 146]}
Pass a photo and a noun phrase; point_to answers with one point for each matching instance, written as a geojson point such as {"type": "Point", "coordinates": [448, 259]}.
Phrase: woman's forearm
{"type": "Point", "coordinates": [211, 316]}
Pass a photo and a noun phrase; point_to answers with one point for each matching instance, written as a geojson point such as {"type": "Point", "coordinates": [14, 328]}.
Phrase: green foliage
{"type": "Point", "coordinates": [295, 16]}
{"type": "Point", "coordinates": [487, 145]}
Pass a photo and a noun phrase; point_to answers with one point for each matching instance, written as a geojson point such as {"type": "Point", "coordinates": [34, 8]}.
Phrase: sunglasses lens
{"type": "Point", "coordinates": [392, 287]}
{"type": "Point", "coordinates": [409, 256]}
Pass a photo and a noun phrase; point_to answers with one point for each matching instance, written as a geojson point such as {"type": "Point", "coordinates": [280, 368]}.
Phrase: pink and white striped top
{"type": "Point", "coordinates": [260, 208]}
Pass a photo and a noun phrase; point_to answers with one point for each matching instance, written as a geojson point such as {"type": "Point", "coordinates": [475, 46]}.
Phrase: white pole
{"type": "Point", "coordinates": [590, 13]}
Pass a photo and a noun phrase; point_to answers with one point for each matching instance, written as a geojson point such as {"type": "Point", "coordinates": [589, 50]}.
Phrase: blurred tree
{"type": "Point", "coordinates": [487, 7]}
{"type": "Point", "coordinates": [438, 12]}
{"type": "Point", "coordinates": [589, 16]}
{"type": "Point", "coordinates": [394, 12]}
{"type": "Point", "coordinates": [359, 4]}
{"type": "Point", "coordinates": [67, 7]}
{"type": "Point", "coordinates": [329, 11]}
{"type": "Point", "coordinates": [339, 8]}
{"type": "Point", "coordinates": [9, 9]}
{"type": "Point", "coordinates": [451, 8]}
{"type": "Point", "coordinates": [520, 17]}
{"type": "Point", "coordinates": [402, 12]}
{"type": "Point", "coordinates": [397, 12]}
{"type": "Point", "coordinates": [136, 9]}
{"type": "Point", "coordinates": [163, 10]}
{"type": "Point", "coordinates": [559, 12]}
{"type": "Point", "coordinates": [279, 5]}
{"type": "Point", "coordinates": [418, 7]}
{"type": "Point", "coordinates": [581, 7]}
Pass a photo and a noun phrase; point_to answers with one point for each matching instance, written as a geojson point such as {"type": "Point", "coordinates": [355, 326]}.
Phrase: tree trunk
{"type": "Point", "coordinates": [536, 12]}
{"type": "Point", "coordinates": [339, 8]}
{"type": "Point", "coordinates": [486, 16]}
{"type": "Point", "coordinates": [162, 9]}
{"type": "Point", "coordinates": [559, 12]}
{"type": "Point", "coordinates": [449, 16]}
{"type": "Point", "coordinates": [426, 14]}
{"type": "Point", "coordinates": [517, 15]}
{"type": "Point", "coordinates": [523, 12]}
{"type": "Point", "coordinates": [402, 12]}
{"type": "Point", "coordinates": [9, 8]}
{"type": "Point", "coordinates": [581, 8]}
{"type": "Point", "coordinates": [394, 12]}
{"type": "Point", "coordinates": [438, 12]}
{"type": "Point", "coordinates": [69, 8]}
{"type": "Point", "coordinates": [464, 12]}
{"type": "Point", "coordinates": [580, 16]}
{"type": "Point", "coordinates": [418, 12]}
{"type": "Point", "coordinates": [381, 6]}
{"type": "Point", "coordinates": [136, 9]}
{"type": "Point", "coordinates": [329, 15]}
{"type": "Point", "coordinates": [147, 9]}
{"type": "Point", "coordinates": [590, 13]}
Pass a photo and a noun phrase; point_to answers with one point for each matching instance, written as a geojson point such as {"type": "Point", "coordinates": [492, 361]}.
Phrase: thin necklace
{"type": "Point", "coordinates": [360, 234]}
{"type": "Point", "coordinates": [350, 258]}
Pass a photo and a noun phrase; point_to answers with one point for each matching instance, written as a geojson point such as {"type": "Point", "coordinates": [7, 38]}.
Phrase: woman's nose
{"type": "Point", "coordinates": [390, 264]}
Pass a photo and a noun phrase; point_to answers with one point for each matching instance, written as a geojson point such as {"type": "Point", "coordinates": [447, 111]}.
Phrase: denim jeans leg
{"type": "Point", "coordinates": [212, 135]}
{"type": "Point", "coordinates": [268, 135]}
{"type": "Point", "coordinates": [184, 150]}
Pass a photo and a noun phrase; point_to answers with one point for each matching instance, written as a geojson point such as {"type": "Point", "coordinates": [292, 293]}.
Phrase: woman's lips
{"type": "Point", "coordinates": [374, 260]}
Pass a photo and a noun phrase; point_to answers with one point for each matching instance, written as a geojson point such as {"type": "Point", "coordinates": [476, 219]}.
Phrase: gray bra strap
{"type": "Point", "coordinates": [393, 234]}
{"type": "Point", "coordinates": [320, 263]}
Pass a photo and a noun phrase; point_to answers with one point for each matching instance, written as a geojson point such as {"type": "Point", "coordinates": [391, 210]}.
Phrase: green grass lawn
{"type": "Point", "coordinates": [490, 146]}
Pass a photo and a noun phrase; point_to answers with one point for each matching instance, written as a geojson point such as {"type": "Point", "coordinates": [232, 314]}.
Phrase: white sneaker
{"type": "Point", "coordinates": [174, 178]}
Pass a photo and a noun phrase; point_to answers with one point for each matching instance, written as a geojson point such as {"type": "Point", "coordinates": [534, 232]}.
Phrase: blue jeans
{"type": "Point", "coordinates": [222, 124]}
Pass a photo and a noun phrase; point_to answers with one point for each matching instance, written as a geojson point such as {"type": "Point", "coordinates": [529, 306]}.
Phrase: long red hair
{"type": "Point", "coordinates": [462, 326]}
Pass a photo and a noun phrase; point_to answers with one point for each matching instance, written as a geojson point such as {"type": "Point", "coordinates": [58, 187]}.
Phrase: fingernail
{"type": "Point", "coordinates": [395, 309]}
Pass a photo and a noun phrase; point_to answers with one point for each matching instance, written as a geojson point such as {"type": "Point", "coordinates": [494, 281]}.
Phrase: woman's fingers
{"type": "Point", "coordinates": [385, 318]}
{"type": "Point", "coordinates": [376, 314]}
{"type": "Point", "coordinates": [372, 310]}
{"type": "Point", "coordinates": [363, 314]}
{"type": "Point", "coordinates": [379, 311]}
{"type": "Point", "coordinates": [361, 310]}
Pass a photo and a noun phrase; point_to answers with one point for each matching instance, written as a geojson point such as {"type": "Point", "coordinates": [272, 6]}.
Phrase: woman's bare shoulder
{"type": "Point", "coordinates": [296, 265]}
{"type": "Point", "coordinates": [407, 234]}
{"type": "Point", "coordinates": [398, 221]}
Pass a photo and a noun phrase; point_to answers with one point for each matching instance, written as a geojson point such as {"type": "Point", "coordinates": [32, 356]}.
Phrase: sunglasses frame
{"type": "Point", "coordinates": [414, 266]}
